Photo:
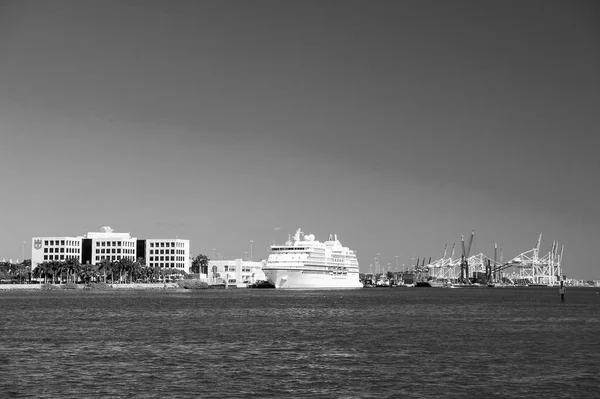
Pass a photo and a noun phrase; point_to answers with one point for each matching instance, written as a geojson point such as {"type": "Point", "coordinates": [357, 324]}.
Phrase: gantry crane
{"type": "Point", "coordinates": [464, 263]}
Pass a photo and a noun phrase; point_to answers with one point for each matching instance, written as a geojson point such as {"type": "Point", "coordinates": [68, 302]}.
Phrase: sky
{"type": "Point", "coordinates": [398, 125]}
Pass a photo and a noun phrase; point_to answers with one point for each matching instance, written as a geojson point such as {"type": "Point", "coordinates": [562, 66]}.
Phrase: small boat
{"type": "Point", "coordinates": [261, 284]}
{"type": "Point", "coordinates": [431, 283]}
{"type": "Point", "coordinates": [465, 285]}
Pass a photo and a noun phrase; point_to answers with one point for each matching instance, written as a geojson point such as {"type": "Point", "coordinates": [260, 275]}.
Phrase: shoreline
{"type": "Point", "coordinates": [83, 287]}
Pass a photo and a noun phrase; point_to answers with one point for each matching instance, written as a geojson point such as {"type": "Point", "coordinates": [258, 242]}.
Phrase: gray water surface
{"type": "Point", "coordinates": [382, 342]}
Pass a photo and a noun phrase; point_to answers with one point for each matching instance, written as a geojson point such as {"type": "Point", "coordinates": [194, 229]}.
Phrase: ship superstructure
{"type": "Point", "coordinates": [305, 263]}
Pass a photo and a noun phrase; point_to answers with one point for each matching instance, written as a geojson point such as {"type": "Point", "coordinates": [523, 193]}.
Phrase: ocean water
{"type": "Point", "coordinates": [237, 343]}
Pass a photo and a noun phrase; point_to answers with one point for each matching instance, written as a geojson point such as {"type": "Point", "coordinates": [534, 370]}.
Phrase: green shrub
{"type": "Point", "coordinates": [69, 286]}
{"type": "Point", "coordinates": [99, 286]}
{"type": "Point", "coordinates": [192, 284]}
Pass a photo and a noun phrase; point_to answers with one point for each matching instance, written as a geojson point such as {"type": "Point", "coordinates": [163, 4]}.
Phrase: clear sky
{"type": "Point", "coordinates": [398, 125]}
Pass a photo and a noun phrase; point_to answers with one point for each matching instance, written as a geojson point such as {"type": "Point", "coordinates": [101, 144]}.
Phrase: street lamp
{"type": "Point", "coordinates": [375, 260]}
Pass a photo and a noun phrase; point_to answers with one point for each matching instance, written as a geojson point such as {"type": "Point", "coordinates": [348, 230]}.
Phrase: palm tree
{"type": "Point", "coordinates": [104, 265]}
{"type": "Point", "coordinates": [136, 271]}
{"type": "Point", "coordinates": [42, 269]}
{"type": "Point", "coordinates": [124, 266]}
{"type": "Point", "coordinates": [22, 270]}
{"type": "Point", "coordinates": [73, 267]}
{"type": "Point", "coordinates": [88, 272]}
{"type": "Point", "coordinates": [4, 270]}
{"type": "Point", "coordinates": [55, 268]}
{"type": "Point", "coordinates": [63, 268]}
{"type": "Point", "coordinates": [27, 266]}
{"type": "Point", "coordinates": [13, 269]}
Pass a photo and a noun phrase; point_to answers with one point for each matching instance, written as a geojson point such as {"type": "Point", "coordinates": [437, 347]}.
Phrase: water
{"type": "Point", "coordinates": [401, 342]}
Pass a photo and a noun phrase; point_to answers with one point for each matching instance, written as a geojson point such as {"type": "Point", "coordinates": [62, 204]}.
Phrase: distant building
{"type": "Point", "coordinates": [94, 247]}
{"type": "Point", "coordinates": [236, 271]}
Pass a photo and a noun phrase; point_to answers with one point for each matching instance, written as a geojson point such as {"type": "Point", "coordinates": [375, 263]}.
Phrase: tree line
{"type": "Point", "coordinates": [15, 271]}
{"type": "Point", "coordinates": [72, 270]}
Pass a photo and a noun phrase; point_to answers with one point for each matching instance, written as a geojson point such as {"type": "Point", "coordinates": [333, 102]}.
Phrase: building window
{"type": "Point", "coordinates": [45, 257]}
{"type": "Point", "coordinates": [46, 242]}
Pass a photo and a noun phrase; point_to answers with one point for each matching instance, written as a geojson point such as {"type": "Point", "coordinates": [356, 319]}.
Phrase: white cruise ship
{"type": "Point", "coordinates": [304, 263]}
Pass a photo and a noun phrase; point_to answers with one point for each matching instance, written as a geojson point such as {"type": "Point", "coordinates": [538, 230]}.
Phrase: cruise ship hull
{"type": "Point", "coordinates": [296, 279]}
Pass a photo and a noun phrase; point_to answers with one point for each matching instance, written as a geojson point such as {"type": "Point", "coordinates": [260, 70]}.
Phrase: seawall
{"type": "Point", "coordinates": [131, 286]}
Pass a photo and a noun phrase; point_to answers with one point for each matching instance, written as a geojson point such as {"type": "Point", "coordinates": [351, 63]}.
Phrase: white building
{"type": "Point", "coordinates": [235, 271]}
{"type": "Point", "coordinates": [168, 253]}
{"type": "Point", "coordinates": [47, 249]}
{"type": "Point", "coordinates": [106, 244]}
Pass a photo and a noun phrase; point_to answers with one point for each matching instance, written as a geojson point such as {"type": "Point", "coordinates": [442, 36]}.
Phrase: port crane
{"type": "Point", "coordinates": [529, 267]}
{"type": "Point", "coordinates": [464, 259]}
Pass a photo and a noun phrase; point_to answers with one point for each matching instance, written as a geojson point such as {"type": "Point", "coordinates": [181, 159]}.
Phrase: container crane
{"type": "Point", "coordinates": [464, 263]}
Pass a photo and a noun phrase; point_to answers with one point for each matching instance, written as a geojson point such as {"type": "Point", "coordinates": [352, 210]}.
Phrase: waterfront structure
{"type": "Point", "coordinates": [94, 247]}
{"type": "Point", "coordinates": [235, 272]}
{"type": "Point", "coordinates": [306, 263]}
